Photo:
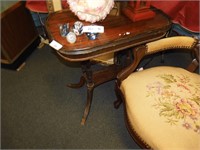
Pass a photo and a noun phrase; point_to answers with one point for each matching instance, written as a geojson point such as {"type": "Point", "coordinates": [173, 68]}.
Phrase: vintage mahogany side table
{"type": "Point", "coordinates": [120, 33]}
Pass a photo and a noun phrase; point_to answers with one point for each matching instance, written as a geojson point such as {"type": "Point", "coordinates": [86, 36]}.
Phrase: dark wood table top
{"type": "Point", "coordinates": [119, 33]}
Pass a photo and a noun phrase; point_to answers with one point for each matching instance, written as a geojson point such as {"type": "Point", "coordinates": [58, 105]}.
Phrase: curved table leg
{"type": "Point", "coordinates": [77, 85]}
{"type": "Point", "coordinates": [87, 71]}
{"type": "Point", "coordinates": [90, 88]}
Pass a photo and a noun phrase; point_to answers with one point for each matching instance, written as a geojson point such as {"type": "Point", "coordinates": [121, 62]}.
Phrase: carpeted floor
{"type": "Point", "coordinates": [38, 111]}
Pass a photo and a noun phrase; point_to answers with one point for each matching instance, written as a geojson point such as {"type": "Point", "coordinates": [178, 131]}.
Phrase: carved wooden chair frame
{"type": "Point", "coordinates": [139, 53]}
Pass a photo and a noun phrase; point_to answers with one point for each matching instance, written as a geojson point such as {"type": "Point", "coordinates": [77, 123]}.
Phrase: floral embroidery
{"type": "Point", "coordinates": [177, 99]}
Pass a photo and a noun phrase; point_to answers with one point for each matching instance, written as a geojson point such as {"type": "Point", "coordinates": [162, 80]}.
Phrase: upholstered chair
{"type": "Point", "coordinates": [162, 104]}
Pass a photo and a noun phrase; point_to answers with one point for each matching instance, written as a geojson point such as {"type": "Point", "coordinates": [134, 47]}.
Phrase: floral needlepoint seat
{"type": "Point", "coordinates": [162, 104]}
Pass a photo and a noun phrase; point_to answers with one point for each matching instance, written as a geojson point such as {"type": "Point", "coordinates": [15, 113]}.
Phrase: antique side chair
{"type": "Point", "coordinates": [162, 104]}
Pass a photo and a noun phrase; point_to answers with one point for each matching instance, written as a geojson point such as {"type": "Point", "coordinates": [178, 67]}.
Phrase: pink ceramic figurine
{"type": "Point", "coordinates": [91, 10]}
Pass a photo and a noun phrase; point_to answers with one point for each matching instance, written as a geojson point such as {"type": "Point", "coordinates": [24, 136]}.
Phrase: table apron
{"type": "Point", "coordinates": [74, 57]}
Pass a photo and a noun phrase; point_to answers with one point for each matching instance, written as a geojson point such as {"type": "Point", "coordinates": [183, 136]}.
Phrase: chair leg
{"type": "Point", "coordinates": [118, 102]}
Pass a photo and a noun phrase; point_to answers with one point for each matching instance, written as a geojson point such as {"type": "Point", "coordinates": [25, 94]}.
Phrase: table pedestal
{"type": "Point", "coordinates": [93, 78]}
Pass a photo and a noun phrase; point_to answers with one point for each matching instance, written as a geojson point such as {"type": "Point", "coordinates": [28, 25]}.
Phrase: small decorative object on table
{"type": "Point", "coordinates": [93, 31]}
{"type": "Point", "coordinates": [92, 36]}
{"type": "Point", "coordinates": [64, 29]}
{"type": "Point", "coordinates": [138, 10]}
{"type": "Point", "coordinates": [91, 10]}
{"type": "Point", "coordinates": [78, 28]}
{"type": "Point", "coordinates": [71, 37]}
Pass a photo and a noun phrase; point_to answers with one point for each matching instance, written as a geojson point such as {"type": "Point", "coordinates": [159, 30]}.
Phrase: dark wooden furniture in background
{"type": "Point", "coordinates": [19, 36]}
{"type": "Point", "coordinates": [120, 34]}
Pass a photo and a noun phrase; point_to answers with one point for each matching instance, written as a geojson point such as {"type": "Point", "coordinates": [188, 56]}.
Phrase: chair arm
{"type": "Point", "coordinates": [176, 42]}
{"type": "Point", "coordinates": [170, 43]}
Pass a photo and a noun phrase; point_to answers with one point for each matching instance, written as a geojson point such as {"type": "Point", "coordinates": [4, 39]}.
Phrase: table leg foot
{"type": "Point", "coordinates": [77, 85]}
{"type": "Point", "coordinates": [83, 121]}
